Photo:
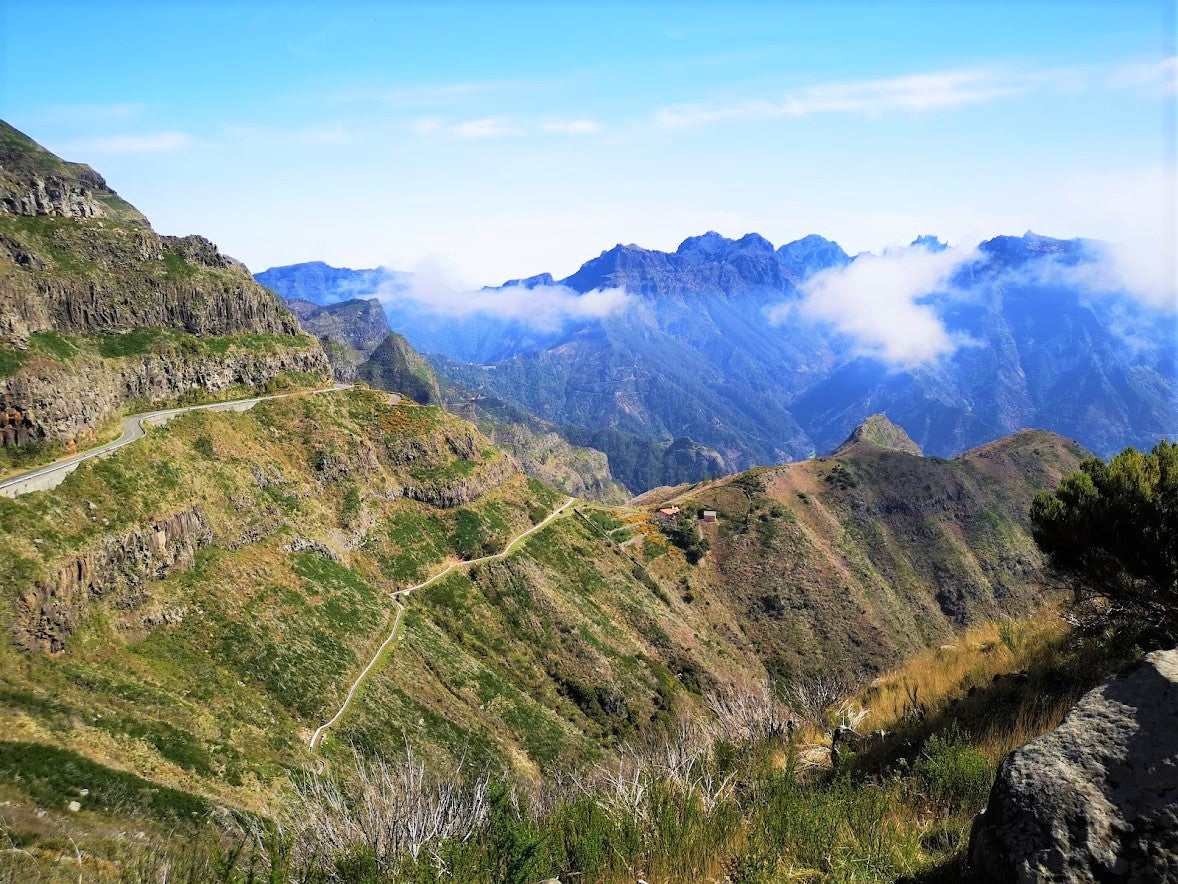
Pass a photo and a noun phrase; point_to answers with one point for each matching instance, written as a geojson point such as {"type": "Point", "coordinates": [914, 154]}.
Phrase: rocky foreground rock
{"type": "Point", "coordinates": [1097, 798]}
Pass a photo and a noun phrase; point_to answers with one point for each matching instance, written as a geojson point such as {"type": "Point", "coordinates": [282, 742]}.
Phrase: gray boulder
{"type": "Point", "coordinates": [1097, 798]}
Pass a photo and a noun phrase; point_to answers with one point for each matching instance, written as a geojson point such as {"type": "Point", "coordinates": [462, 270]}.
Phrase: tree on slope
{"type": "Point", "coordinates": [1113, 529]}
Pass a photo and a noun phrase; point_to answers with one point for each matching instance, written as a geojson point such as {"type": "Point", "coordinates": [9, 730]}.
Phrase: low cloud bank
{"type": "Point", "coordinates": [887, 303]}
{"type": "Point", "coordinates": [877, 300]}
{"type": "Point", "coordinates": [545, 307]}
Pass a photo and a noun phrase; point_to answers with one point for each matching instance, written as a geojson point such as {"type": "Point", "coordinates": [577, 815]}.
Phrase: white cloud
{"type": "Point", "coordinates": [153, 142]}
{"type": "Point", "coordinates": [430, 290]}
{"type": "Point", "coordinates": [1158, 77]}
{"type": "Point", "coordinates": [1138, 213]}
{"type": "Point", "coordinates": [876, 300]}
{"type": "Point", "coordinates": [913, 93]}
{"type": "Point", "coordinates": [488, 127]}
{"type": "Point", "coordinates": [573, 127]}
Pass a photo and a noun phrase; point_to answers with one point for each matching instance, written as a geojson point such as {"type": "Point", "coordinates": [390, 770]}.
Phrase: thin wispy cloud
{"type": "Point", "coordinates": [422, 96]}
{"type": "Point", "coordinates": [488, 127]}
{"type": "Point", "coordinates": [151, 142]}
{"type": "Point", "coordinates": [572, 127]}
{"type": "Point", "coordinates": [501, 127]}
{"type": "Point", "coordinates": [915, 93]}
{"type": "Point", "coordinates": [1157, 77]}
{"type": "Point", "coordinates": [89, 113]}
{"type": "Point", "coordinates": [314, 135]}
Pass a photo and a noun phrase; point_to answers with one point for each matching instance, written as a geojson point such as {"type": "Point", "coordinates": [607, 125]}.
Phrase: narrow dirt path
{"type": "Point", "coordinates": [317, 737]}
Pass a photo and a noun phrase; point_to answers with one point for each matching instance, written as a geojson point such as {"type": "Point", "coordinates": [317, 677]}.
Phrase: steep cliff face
{"type": "Point", "coordinates": [35, 182]}
{"type": "Point", "coordinates": [115, 568]}
{"type": "Point", "coordinates": [70, 399]}
{"type": "Point", "coordinates": [78, 265]}
{"type": "Point", "coordinates": [359, 322]}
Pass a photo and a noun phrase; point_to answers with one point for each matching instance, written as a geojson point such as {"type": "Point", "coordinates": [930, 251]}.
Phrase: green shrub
{"type": "Point", "coordinates": [953, 773]}
{"type": "Point", "coordinates": [51, 343]}
{"type": "Point", "coordinates": [137, 342]}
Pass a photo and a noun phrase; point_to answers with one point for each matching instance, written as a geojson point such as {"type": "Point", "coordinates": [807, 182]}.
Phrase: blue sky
{"type": "Point", "coordinates": [496, 141]}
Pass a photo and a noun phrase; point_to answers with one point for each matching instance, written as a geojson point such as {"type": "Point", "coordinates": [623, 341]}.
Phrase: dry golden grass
{"type": "Point", "coordinates": [927, 685]}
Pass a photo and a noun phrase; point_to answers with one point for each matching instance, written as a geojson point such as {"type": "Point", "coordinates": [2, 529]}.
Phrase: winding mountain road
{"type": "Point", "coordinates": [317, 737]}
{"type": "Point", "coordinates": [134, 428]}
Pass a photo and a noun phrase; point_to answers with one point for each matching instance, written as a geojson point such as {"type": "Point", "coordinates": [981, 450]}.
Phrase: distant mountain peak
{"type": "Point", "coordinates": [708, 244]}
{"type": "Point", "coordinates": [754, 241]}
{"type": "Point", "coordinates": [529, 282]}
{"type": "Point", "coordinates": [808, 255]}
{"type": "Point", "coordinates": [879, 432]}
{"type": "Point", "coordinates": [930, 242]}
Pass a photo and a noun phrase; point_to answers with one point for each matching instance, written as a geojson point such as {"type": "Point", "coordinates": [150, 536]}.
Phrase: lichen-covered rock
{"type": "Point", "coordinates": [1097, 798]}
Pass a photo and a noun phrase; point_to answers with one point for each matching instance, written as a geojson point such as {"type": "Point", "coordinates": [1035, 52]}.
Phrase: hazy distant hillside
{"type": "Point", "coordinates": [697, 354]}
{"type": "Point", "coordinates": [322, 284]}
{"type": "Point", "coordinates": [714, 347]}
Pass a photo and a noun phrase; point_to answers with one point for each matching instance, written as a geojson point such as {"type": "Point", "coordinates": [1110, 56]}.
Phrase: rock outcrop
{"type": "Point", "coordinates": [78, 265]}
{"type": "Point", "coordinates": [70, 400]}
{"type": "Point", "coordinates": [349, 331]}
{"type": "Point", "coordinates": [117, 568]}
{"type": "Point", "coordinates": [76, 258]}
{"type": "Point", "coordinates": [1097, 798]}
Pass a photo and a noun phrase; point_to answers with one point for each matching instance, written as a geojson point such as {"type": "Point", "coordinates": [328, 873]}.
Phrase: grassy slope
{"type": "Point", "coordinates": [544, 660]}
{"type": "Point", "coordinates": [268, 639]}
{"type": "Point", "coordinates": [853, 562]}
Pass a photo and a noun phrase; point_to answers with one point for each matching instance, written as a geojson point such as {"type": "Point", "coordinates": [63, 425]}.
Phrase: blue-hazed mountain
{"type": "Point", "coordinates": [322, 284]}
{"type": "Point", "coordinates": [696, 355]}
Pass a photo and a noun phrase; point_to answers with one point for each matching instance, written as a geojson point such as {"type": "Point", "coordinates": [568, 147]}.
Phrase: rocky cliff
{"type": "Point", "coordinates": [115, 568]}
{"type": "Point", "coordinates": [71, 399]}
{"type": "Point", "coordinates": [80, 266]}
{"type": "Point", "coordinates": [349, 330]}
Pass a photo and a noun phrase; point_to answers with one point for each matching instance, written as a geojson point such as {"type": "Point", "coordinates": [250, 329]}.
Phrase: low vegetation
{"type": "Point", "coordinates": [1113, 530]}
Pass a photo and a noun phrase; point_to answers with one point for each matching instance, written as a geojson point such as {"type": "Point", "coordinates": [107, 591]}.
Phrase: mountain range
{"type": "Point", "coordinates": [237, 610]}
{"type": "Point", "coordinates": [713, 348]}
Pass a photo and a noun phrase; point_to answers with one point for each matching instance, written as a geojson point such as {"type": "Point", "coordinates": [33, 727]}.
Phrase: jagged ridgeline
{"type": "Point", "coordinates": [98, 312]}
